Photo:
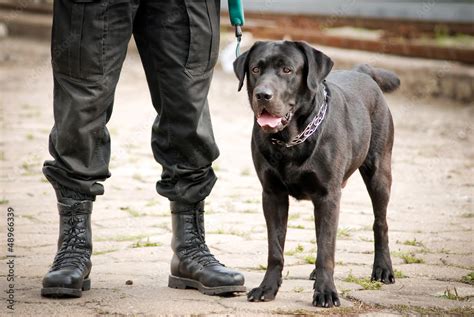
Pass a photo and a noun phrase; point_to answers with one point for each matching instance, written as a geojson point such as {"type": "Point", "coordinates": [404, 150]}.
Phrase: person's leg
{"type": "Point", "coordinates": [89, 44]}
{"type": "Point", "coordinates": [178, 61]}
{"type": "Point", "coordinates": [178, 41]}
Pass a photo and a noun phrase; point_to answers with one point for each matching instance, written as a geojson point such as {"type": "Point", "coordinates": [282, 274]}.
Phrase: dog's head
{"type": "Point", "coordinates": [279, 76]}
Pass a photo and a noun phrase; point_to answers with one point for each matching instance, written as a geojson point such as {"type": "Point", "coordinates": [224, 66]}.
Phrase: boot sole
{"type": "Point", "coordinates": [183, 283]}
{"type": "Point", "coordinates": [63, 292]}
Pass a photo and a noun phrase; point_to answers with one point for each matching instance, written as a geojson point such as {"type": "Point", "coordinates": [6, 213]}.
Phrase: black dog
{"type": "Point", "coordinates": [311, 132]}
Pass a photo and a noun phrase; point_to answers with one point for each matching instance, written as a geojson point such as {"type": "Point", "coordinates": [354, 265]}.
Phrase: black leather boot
{"type": "Point", "coordinates": [193, 265]}
{"type": "Point", "coordinates": [69, 273]}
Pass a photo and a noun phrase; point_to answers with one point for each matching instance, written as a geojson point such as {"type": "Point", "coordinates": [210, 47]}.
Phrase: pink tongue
{"type": "Point", "coordinates": [267, 119]}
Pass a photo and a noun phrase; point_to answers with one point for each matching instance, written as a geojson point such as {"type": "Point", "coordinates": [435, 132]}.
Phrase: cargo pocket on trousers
{"type": "Point", "coordinates": [79, 29]}
{"type": "Point", "coordinates": [204, 35]}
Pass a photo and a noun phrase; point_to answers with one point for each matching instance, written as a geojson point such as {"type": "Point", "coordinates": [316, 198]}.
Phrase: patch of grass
{"type": "Point", "coordinates": [146, 244]}
{"type": "Point", "coordinates": [151, 203]}
{"type": "Point", "coordinates": [27, 167]}
{"type": "Point", "coordinates": [251, 201]}
{"type": "Point", "coordinates": [165, 213]}
{"type": "Point", "coordinates": [298, 249]}
{"type": "Point", "coordinates": [293, 217]}
{"type": "Point", "coordinates": [411, 258]}
{"type": "Point", "coordinates": [27, 106]}
{"type": "Point", "coordinates": [30, 136]}
{"type": "Point", "coordinates": [413, 243]}
{"type": "Point", "coordinates": [29, 217]}
{"type": "Point", "coordinates": [366, 239]}
{"type": "Point", "coordinates": [408, 257]}
{"type": "Point", "coordinates": [445, 39]}
{"type": "Point", "coordinates": [245, 172]}
{"type": "Point", "coordinates": [310, 259]}
{"type": "Point", "coordinates": [262, 267]}
{"type": "Point", "coordinates": [296, 226]}
{"type": "Point", "coordinates": [468, 215]}
{"type": "Point", "coordinates": [121, 238]}
{"type": "Point", "coordinates": [132, 212]}
{"type": "Point", "coordinates": [298, 289]}
{"type": "Point", "coordinates": [104, 252]}
{"type": "Point", "coordinates": [343, 233]}
{"type": "Point", "coordinates": [245, 235]}
{"type": "Point", "coordinates": [44, 180]}
{"type": "Point", "coordinates": [294, 312]}
{"type": "Point", "coordinates": [399, 274]}
{"type": "Point", "coordinates": [407, 310]}
{"type": "Point", "coordinates": [345, 292]}
{"type": "Point", "coordinates": [139, 177]}
{"type": "Point", "coordinates": [30, 114]}
{"type": "Point", "coordinates": [217, 231]}
{"type": "Point", "coordinates": [365, 282]}
{"type": "Point", "coordinates": [4, 201]}
{"type": "Point", "coordinates": [468, 278]}
{"type": "Point", "coordinates": [2, 156]}
{"type": "Point", "coordinates": [452, 294]}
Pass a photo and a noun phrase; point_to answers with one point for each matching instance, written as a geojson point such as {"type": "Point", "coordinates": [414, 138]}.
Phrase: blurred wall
{"type": "Point", "coordinates": [431, 10]}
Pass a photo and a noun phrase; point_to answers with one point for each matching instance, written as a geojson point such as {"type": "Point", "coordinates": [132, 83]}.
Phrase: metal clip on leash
{"type": "Point", "coordinates": [236, 14]}
{"type": "Point", "coordinates": [238, 35]}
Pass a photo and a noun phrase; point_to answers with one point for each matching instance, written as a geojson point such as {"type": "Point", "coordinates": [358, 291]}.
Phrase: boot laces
{"type": "Point", "coordinates": [197, 248]}
{"type": "Point", "coordinates": [73, 252]}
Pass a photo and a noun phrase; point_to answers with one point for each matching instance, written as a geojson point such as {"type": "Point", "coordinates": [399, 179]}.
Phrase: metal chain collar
{"type": "Point", "coordinates": [310, 128]}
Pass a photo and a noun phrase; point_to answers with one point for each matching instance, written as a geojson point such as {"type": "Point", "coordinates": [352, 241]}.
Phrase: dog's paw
{"type": "Point", "coordinates": [383, 273]}
{"type": "Point", "coordinates": [326, 298]}
{"type": "Point", "coordinates": [262, 294]}
{"type": "Point", "coordinates": [312, 276]}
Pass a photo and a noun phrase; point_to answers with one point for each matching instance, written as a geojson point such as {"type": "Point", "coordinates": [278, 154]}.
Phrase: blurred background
{"type": "Point", "coordinates": [428, 29]}
{"type": "Point", "coordinates": [428, 43]}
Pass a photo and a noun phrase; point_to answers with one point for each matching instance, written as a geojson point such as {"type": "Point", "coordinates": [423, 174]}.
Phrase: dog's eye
{"type": "Point", "coordinates": [255, 70]}
{"type": "Point", "coordinates": [286, 70]}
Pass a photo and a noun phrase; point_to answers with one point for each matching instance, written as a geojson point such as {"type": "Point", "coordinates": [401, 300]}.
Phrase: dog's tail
{"type": "Point", "coordinates": [387, 80]}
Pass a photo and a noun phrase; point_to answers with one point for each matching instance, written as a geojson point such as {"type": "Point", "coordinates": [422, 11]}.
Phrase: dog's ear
{"type": "Point", "coordinates": [318, 65]}
{"type": "Point", "coordinates": [241, 65]}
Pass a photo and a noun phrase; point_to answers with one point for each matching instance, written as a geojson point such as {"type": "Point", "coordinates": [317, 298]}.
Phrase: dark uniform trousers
{"type": "Point", "coordinates": [178, 42]}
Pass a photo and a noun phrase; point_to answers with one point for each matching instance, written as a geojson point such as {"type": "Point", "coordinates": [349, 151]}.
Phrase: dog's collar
{"type": "Point", "coordinates": [311, 127]}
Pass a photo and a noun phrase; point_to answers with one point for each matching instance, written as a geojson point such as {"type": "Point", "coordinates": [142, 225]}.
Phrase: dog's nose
{"type": "Point", "coordinates": [263, 94]}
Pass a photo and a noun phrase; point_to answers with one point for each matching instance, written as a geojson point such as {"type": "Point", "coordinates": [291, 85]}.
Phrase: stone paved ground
{"type": "Point", "coordinates": [431, 211]}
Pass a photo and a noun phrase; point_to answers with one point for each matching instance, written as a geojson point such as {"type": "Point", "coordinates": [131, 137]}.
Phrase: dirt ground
{"type": "Point", "coordinates": [430, 217]}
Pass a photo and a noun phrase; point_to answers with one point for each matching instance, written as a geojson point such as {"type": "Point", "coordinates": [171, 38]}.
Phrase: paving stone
{"type": "Point", "coordinates": [431, 202]}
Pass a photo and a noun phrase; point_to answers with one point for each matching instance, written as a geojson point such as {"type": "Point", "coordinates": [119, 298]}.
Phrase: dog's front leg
{"type": "Point", "coordinates": [326, 215]}
{"type": "Point", "coordinates": [275, 209]}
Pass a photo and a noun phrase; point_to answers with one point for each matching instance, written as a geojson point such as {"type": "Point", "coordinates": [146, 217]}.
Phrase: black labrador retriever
{"type": "Point", "coordinates": [312, 130]}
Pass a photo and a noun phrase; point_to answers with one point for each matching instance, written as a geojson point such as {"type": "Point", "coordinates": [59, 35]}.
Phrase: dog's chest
{"type": "Point", "coordinates": [302, 184]}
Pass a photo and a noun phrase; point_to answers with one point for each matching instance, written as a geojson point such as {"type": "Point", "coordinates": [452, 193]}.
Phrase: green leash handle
{"type": "Point", "coordinates": [236, 12]}
{"type": "Point", "coordinates": [237, 19]}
